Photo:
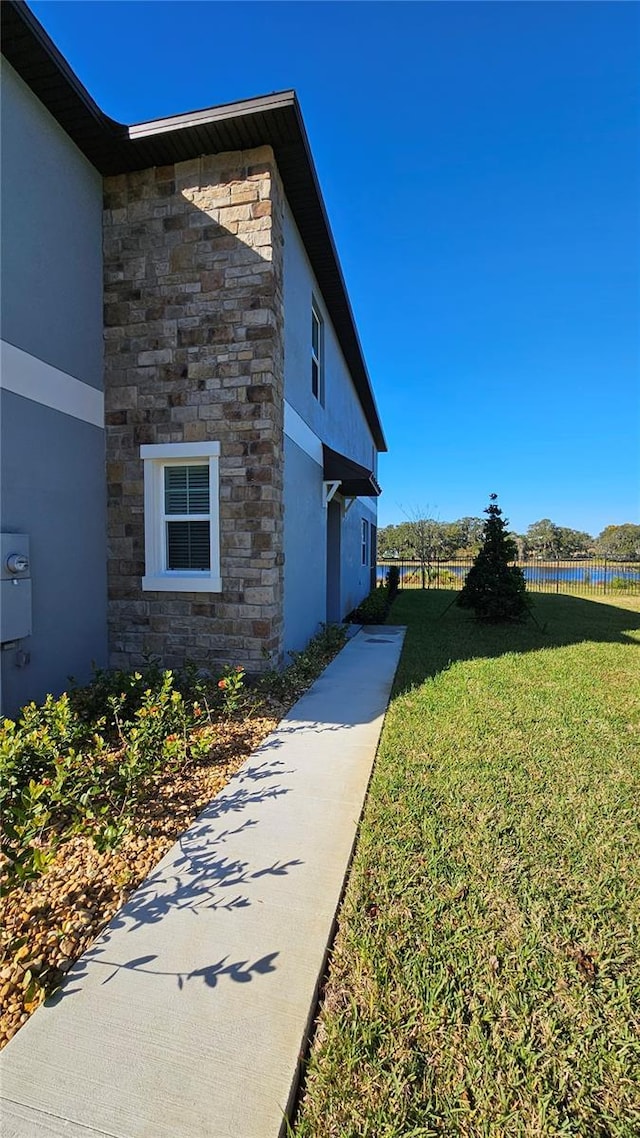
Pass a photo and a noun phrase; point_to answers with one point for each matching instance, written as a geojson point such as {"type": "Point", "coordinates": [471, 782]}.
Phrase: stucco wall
{"type": "Point", "coordinates": [340, 423]}
{"type": "Point", "coordinates": [52, 463]}
{"type": "Point", "coordinates": [57, 497]}
{"type": "Point", "coordinates": [356, 577]}
{"type": "Point", "coordinates": [305, 538]}
{"type": "Point", "coordinates": [51, 220]}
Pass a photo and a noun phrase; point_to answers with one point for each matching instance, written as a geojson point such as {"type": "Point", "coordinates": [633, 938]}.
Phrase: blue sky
{"type": "Point", "coordinates": [480, 163]}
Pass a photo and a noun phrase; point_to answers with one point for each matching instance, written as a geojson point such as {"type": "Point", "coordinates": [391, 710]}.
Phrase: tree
{"type": "Point", "coordinates": [621, 542]}
{"type": "Point", "coordinates": [394, 541]}
{"type": "Point", "coordinates": [422, 542]}
{"type": "Point", "coordinates": [451, 539]}
{"type": "Point", "coordinates": [572, 541]}
{"type": "Point", "coordinates": [389, 542]}
{"type": "Point", "coordinates": [546, 539]}
{"type": "Point", "coordinates": [420, 538]}
{"type": "Point", "coordinates": [494, 589]}
{"type": "Point", "coordinates": [543, 538]}
{"type": "Point", "coordinates": [470, 534]}
{"type": "Point", "coordinates": [520, 543]}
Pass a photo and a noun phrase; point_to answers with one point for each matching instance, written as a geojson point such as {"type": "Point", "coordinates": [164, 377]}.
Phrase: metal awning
{"type": "Point", "coordinates": [355, 481]}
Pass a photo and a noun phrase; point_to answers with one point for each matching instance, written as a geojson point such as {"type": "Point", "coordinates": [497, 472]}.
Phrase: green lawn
{"type": "Point", "coordinates": [485, 979]}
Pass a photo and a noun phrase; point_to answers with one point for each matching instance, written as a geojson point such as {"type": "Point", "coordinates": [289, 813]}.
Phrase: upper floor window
{"type": "Point", "coordinates": [317, 353]}
{"type": "Point", "coordinates": [182, 540]}
{"type": "Point", "coordinates": [365, 542]}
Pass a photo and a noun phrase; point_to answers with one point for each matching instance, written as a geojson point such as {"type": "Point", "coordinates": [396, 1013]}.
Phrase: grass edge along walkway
{"type": "Point", "coordinates": [484, 980]}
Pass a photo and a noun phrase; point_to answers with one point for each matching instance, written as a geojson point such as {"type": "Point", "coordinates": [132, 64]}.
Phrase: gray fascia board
{"type": "Point", "coordinates": [380, 441]}
{"type": "Point", "coordinates": [276, 101]}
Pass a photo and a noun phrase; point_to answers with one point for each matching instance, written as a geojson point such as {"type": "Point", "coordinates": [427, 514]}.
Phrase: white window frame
{"type": "Point", "coordinates": [365, 542]}
{"type": "Point", "coordinates": [157, 577]}
{"type": "Point", "coordinates": [317, 358]}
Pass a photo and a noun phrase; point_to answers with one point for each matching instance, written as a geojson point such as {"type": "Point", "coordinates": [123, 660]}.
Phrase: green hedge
{"type": "Point", "coordinates": [374, 609]}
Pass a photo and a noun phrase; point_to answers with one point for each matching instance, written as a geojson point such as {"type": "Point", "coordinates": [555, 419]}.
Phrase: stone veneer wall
{"type": "Point", "coordinates": [195, 351]}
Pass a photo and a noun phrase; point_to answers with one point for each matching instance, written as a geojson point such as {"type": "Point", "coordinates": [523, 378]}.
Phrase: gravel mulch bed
{"type": "Point", "coordinates": [48, 923]}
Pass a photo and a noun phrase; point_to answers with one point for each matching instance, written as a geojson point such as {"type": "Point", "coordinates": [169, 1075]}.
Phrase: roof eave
{"type": "Point", "coordinates": [224, 111]}
{"type": "Point", "coordinates": [275, 120]}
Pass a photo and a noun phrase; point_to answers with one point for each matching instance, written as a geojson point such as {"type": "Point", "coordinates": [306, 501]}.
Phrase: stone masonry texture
{"type": "Point", "coordinates": [195, 352]}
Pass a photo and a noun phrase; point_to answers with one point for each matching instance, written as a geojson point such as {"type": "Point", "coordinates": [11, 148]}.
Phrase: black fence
{"type": "Point", "coordinates": [598, 575]}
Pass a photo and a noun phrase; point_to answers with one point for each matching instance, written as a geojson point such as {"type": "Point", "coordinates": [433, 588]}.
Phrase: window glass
{"type": "Point", "coordinates": [365, 541]}
{"type": "Point", "coordinates": [316, 355]}
{"type": "Point", "coordinates": [188, 545]}
{"type": "Point", "coordinates": [181, 519]}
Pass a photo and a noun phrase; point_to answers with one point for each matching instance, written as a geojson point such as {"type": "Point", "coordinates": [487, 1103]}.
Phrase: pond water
{"type": "Point", "coordinates": [587, 574]}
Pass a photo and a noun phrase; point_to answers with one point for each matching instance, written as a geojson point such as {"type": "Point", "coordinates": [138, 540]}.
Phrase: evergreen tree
{"type": "Point", "coordinates": [494, 589]}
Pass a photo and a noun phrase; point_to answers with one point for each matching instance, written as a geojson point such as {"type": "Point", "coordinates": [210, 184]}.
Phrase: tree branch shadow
{"type": "Point", "coordinates": [196, 876]}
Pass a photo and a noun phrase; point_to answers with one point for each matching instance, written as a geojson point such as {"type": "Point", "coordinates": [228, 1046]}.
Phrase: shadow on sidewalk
{"type": "Point", "coordinates": [197, 876]}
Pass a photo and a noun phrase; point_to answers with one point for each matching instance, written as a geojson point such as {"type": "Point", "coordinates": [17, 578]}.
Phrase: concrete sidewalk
{"type": "Point", "coordinates": [187, 1017]}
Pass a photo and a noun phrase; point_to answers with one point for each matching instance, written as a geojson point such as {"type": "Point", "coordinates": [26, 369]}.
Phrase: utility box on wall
{"type": "Point", "coordinates": [15, 587]}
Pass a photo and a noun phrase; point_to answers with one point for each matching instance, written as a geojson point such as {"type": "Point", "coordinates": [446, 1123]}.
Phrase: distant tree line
{"type": "Point", "coordinates": [426, 539]}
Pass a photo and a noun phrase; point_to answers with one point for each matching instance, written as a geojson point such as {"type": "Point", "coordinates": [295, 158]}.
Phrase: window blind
{"type": "Point", "coordinates": [186, 489]}
{"type": "Point", "coordinates": [188, 545]}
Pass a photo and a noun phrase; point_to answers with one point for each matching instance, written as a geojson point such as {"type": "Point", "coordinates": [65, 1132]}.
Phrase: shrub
{"type": "Point", "coordinates": [83, 763]}
{"type": "Point", "coordinates": [305, 666]}
{"type": "Point", "coordinates": [231, 685]}
{"type": "Point", "coordinates": [445, 579]}
{"type": "Point", "coordinates": [374, 609]}
{"type": "Point", "coordinates": [494, 589]}
{"type": "Point", "coordinates": [93, 701]}
{"type": "Point", "coordinates": [392, 582]}
{"type": "Point", "coordinates": [624, 585]}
